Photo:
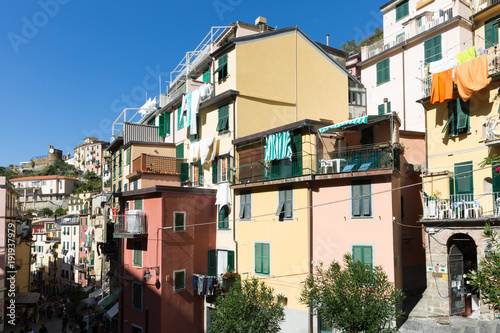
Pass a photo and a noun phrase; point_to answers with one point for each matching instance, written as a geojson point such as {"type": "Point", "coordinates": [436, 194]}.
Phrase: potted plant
{"type": "Point", "coordinates": [228, 279]}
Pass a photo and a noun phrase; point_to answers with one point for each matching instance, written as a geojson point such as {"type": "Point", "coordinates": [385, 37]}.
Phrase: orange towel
{"type": "Point", "coordinates": [442, 86]}
{"type": "Point", "coordinates": [472, 76]}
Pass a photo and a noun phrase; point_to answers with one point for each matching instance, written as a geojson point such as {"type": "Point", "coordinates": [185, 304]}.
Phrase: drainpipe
{"type": "Point", "coordinates": [404, 87]}
{"type": "Point", "coordinates": [311, 237]}
{"type": "Point", "coordinates": [234, 195]}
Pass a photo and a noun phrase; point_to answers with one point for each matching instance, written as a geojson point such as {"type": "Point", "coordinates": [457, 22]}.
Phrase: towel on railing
{"type": "Point", "coordinates": [443, 64]}
{"type": "Point", "coordinates": [467, 55]}
{"type": "Point", "coordinates": [442, 87]}
{"type": "Point", "coordinates": [471, 77]}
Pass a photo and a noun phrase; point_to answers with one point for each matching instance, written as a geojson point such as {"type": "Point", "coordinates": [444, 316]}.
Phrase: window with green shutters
{"type": "Point", "coordinates": [137, 296]}
{"type": "Point", "coordinates": [432, 49]}
{"type": "Point", "coordinates": [382, 110]}
{"type": "Point", "coordinates": [206, 75]}
{"type": "Point", "coordinates": [196, 137]}
{"type": "Point", "coordinates": [179, 151]}
{"type": "Point", "coordinates": [222, 67]}
{"type": "Point", "coordinates": [167, 123]}
{"type": "Point", "coordinates": [179, 221]}
{"type": "Point", "coordinates": [138, 253]}
{"type": "Point", "coordinates": [491, 32]}
{"type": "Point", "coordinates": [138, 204]}
{"type": "Point", "coordinates": [212, 262]}
{"type": "Point", "coordinates": [363, 253]}
{"type": "Point", "coordinates": [245, 206]}
{"type": "Point", "coordinates": [164, 125]}
{"type": "Point", "coordinates": [458, 118]}
{"type": "Point", "coordinates": [152, 121]}
{"type": "Point", "coordinates": [223, 217]}
{"type": "Point", "coordinates": [361, 200]}
{"type": "Point", "coordinates": [464, 178]}
{"type": "Point", "coordinates": [184, 173]}
{"type": "Point", "coordinates": [262, 258]}
{"type": "Point", "coordinates": [285, 204]}
{"type": "Point", "coordinates": [223, 123]}
{"type": "Point", "coordinates": [179, 280]}
{"type": "Point", "coordinates": [402, 9]}
{"type": "Point", "coordinates": [180, 118]}
{"type": "Point", "coordinates": [383, 71]}
{"type": "Point", "coordinates": [127, 156]}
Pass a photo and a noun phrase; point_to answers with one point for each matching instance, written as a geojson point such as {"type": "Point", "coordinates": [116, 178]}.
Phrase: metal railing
{"type": "Point", "coordinates": [462, 206]}
{"type": "Point", "coordinates": [131, 224]}
{"type": "Point", "coordinates": [379, 157]}
{"type": "Point", "coordinates": [157, 164]}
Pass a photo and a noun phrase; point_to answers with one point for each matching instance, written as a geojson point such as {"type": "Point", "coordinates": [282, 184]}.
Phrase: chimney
{"type": "Point", "coordinates": [327, 40]}
{"type": "Point", "coordinates": [262, 23]}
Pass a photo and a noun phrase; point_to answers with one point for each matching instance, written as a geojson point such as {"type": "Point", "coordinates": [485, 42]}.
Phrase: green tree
{"type": "Point", "coordinates": [47, 212]}
{"type": "Point", "coordinates": [249, 306]}
{"type": "Point", "coordinates": [486, 279]}
{"type": "Point", "coordinates": [91, 182]}
{"type": "Point", "coordinates": [352, 46]}
{"type": "Point", "coordinates": [354, 297]}
{"type": "Point", "coordinates": [60, 211]}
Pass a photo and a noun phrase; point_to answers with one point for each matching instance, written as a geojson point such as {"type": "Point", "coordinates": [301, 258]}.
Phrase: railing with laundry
{"type": "Point", "coordinates": [206, 285]}
{"type": "Point", "coordinates": [462, 206]}
{"type": "Point", "coordinates": [468, 70]}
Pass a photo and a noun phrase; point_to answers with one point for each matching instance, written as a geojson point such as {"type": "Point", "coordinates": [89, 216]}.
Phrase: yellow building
{"type": "Point", "coordinates": [460, 194]}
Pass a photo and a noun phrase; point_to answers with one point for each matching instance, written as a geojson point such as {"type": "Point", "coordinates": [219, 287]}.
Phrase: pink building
{"type": "Point", "coordinates": [89, 156]}
{"type": "Point", "coordinates": [369, 224]}
{"type": "Point", "coordinates": [165, 234]}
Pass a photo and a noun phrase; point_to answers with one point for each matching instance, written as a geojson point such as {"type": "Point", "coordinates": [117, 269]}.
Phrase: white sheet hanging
{"type": "Point", "coordinates": [194, 151]}
{"type": "Point", "coordinates": [223, 195]}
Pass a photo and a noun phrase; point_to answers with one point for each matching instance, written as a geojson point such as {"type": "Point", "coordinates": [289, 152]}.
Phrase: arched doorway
{"type": "Point", "coordinates": [462, 258]}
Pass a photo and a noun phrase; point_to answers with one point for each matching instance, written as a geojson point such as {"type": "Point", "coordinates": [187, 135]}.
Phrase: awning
{"type": "Point", "coordinates": [356, 121]}
{"type": "Point", "coordinates": [89, 301]}
{"type": "Point", "coordinates": [108, 300]}
{"type": "Point", "coordinates": [113, 311]}
{"type": "Point", "coordinates": [87, 289]}
{"type": "Point", "coordinates": [98, 292]}
{"type": "Point", "coordinates": [278, 146]}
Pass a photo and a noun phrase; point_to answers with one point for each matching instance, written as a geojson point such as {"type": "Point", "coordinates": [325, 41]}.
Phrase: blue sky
{"type": "Point", "coordinates": [68, 67]}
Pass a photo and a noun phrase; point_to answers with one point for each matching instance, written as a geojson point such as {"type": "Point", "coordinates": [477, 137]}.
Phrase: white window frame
{"type": "Point", "coordinates": [184, 214]}
{"type": "Point", "coordinates": [222, 176]}
{"type": "Point", "coordinates": [183, 271]}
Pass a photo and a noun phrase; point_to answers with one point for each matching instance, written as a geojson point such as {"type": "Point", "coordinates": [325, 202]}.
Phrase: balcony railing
{"type": "Point", "coordinates": [140, 132]}
{"type": "Point", "coordinates": [131, 225]}
{"type": "Point", "coordinates": [367, 159]}
{"type": "Point", "coordinates": [462, 206]}
{"type": "Point", "coordinates": [52, 239]}
{"type": "Point", "coordinates": [157, 164]}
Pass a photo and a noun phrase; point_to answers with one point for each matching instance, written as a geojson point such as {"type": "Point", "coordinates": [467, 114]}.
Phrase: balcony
{"type": "Point", "coordinates": [50, 239]}
{"type": "Point", "coordinates": [486, 3]}
{"type": "Point", "coordinates": [140, 132]}
{"type": "Point", "coordinates": [492, 134]}
{"type": "Point", "coordinates": [132, 225]}
{"type": "Point", "coordinates": [378, 157]}
{"type": "Point", "coordinates": [478, 207]}
{"type": "Point", "coordinates": [157, 165]}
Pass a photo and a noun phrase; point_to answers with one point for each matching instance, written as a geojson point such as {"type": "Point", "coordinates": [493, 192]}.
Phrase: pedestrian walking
{"type": "Point", "coordinates": [43, 329]}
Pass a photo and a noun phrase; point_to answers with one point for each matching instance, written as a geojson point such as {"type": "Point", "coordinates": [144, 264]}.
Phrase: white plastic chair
{"type": "Point", "coordinates": [444, 209]}
{"type": "Point", "coordinates": [471, 209]}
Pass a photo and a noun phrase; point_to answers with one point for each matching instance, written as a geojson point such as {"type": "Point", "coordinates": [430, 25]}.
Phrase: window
{"type": "Point", "coordinates": [357, 98]}
{"type": "Point", "coordinates": [222, 124]}
{"type": "Point", "coordinates": [361, 199]}
{"type": "Point", "coordinates": [137, 296]}
{"type": "Point", "coordinates": [285, 204]}
{"type": "Point", "coordinates": [323, 326]}
{"type": "Point", "coordinates": [179, 151]}
{"type": "Point", "coordinates": [382, 109]}
{"type": "Point", "coordinates": [179, 280]}
{"type": "Point", "coordinates": [363, 253]}
{"type": "Point", "coordinates": [220, 169]}
{"type": "Point", "coordinates": [164, 125]}
{"type": "Point", "coordinates": [196, 137]}
{"type": "Point", "coordinates": [262, 258]}
{"type": "Point", "coordinates": [197, 173]}
{"type": "Point", "coordinates": [125, 187]}
{"type": "Point", "coordinates": [138, 253]}
{"type": "Point", "coordinates": [464, 179]}
{"type": "Point", "coordinates": [135, 187]}
{"type": "Point", "coordinates": [152, 121]}
{"type": "Point", "coordinates": [179, 221]}
{"type": "Point", "coordinates": [138, 204]}
{"type": "Point", "coordinates": [458, 118]}
{"type": "Point", "coordinates": [206, 75]}
{"type": "Point", "coordinates": [119, 186]}
{"type": "Point", "coordinates": [60, 185]}
{"type": "Point", "coordinates": [222, 67]}
{"type": "Point", "coordinates": [402, 9]}
{"type": "Point", "coordinates": [180, 118]}
{"type": "Point", "coordinates": [245, 206]}
{"type": "Point", "coordinates": [400, 37]}
{"type": "Point", "coordinates": [127, 156]}
{"type": "Point", "coordinates": [383, 71]}
{"type": "Point", "coordinates": [491, 32]}
{"type": "Point", "coordinates": [223, 217]}
{"type": "Point", "coordinates": [432, 49]}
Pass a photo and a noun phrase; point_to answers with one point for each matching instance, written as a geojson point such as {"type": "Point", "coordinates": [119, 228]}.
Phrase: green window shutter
{"type": "Point", "coordinates": [381, 109]}
{"type": "Point", "coordinates": [180, 118]}
{"type": "Point", "coordinates": [230, 260]}
{"type": "Point", "coordinates": [200, 173]}
{"type": "Point", "coordinates": [491, 32]}
{"type": "Point", "coordinates": [184, 173]}
{"type": "Point", "coordinates": [432, 49]}
{"type": "Point", "coordinates": [229, 169]}
{"type": "Point", "coordinates": [281, 203]}
{"type": "Point", "coordinates": [214, 171]}
{"type": "Point", "coordinates": [297, 153]}
{"type": "Point", "coordinates": [389, 110]}
{"type": "Point", "coordinates": [383, 71]}
{"type": "Point", "coordinates": [206, 75]}
{"type": "Point", "coordinates": [212, 262]}
{"type": "Point", "coordinates": [463, 178]}
{"type": "Point", "coordinates": [496, 180]}
{"type": "Point", "coordinates": [379, 73]}
{"type": "Point", "coordinates": [402, 10]}
{"type": "Point", "coordinates": [161, 127]}
{"type": "Point", "coordinates": [288, 204]}
{"type": "Point", "coordinates": [450, 124]}
{"type": "Point", "coordinates": [138, 204]}
{"type": "Point", "coordinates": [167, 123]}
{"type": "Point", "coordinates": [137, 253]}
{"type": "Point", "coordinates": [265, 258]}
{"type": "Point", "coordinates": [242, 205]}
{"type": "Point", "coordinates": [356, 201]}
{"type": "Point", "coordinates": [179, 151]}
{"type": "Point", "coordinates": [368, 255]}
{"type": "Point", "coordinates": [258, 257]}
{"type": "Point", "coordinates": [127, 156]}
{"type": "Point", "coordinates": [462, 118]}
{"type": "Point", "coordinates": [366, 199]}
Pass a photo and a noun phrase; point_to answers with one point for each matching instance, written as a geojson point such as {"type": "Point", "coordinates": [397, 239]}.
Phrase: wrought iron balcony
{"type": "Point", "coordinates": [484, 206]}
{"type": "Point", "coordinates": [131, 225]}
